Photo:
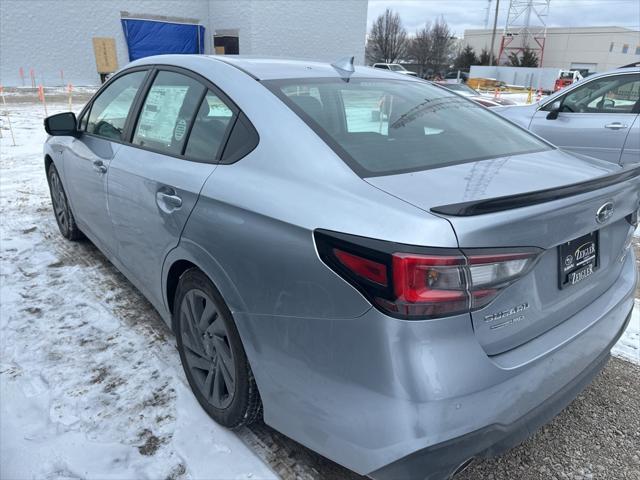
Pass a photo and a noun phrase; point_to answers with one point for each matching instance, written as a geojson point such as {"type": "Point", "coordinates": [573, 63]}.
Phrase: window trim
{"type": "Point", "coordinates": [141, 95]}
{"type": "Point", "coordinates": [274, 86]}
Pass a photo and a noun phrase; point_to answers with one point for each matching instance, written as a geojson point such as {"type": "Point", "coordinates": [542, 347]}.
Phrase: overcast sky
{"type": "Point", "coordinates": [464, 14]}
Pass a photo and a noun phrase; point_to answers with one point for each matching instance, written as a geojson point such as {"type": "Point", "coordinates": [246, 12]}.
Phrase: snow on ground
{"type": "Point", "coordinates": [91, 385]}
{"type": "Point", "coordinates": [628, 347]}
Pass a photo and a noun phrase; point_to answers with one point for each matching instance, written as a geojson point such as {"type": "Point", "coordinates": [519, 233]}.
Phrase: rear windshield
{"type": "Point", "coordinates": [382, 127]}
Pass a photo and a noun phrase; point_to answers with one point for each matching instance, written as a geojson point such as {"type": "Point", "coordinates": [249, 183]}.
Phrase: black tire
{"type": "Point", "coordinates": [211, 353]}
{"type": "Point", "coordinates": [61, 209]}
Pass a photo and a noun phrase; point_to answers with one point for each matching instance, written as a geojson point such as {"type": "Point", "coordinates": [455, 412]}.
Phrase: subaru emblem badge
{"type": "Point", "coordinates": [604, 213]}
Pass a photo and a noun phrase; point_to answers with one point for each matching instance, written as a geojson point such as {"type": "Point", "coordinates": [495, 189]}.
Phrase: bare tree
{"type": "Point", "coordinates": [420, 48]}
{"type": "Point", "coordinates": [387, 41]}
{"type": "Point", "coordinates": [441, 45]}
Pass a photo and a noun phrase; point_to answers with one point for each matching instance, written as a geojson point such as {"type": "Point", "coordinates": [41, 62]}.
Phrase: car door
{"type": "Point", "coordinates": [155, 180]}
{"type": "Point", "coordinates": [87, 160]}
{"type": "Point", "coordinates": [631, 150]}
{"type": "Point", "coordinates": [594, 118]}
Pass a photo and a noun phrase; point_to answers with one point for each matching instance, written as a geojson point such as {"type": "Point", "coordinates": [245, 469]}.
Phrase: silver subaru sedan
{"type": "Point", "coordinates": [386, 272]}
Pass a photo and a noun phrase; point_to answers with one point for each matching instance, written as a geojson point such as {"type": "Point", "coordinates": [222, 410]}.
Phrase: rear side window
{"type": "Point", "coordinates": [382, 127]}
{"type": "Point", "coordinates": [209, 130]}
{"type": "Point", "coordinates": [110, 110]}
{"type": "Point", "coordinates": [243, 139]}
{"type": "Point", "coordinates": [167, 112]}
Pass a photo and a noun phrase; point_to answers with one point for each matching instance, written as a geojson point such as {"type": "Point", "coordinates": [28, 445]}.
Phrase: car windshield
{"type": "Point", "coordinates": [382, 127]}
{"type": "Point", "coordinates": [396, 68]}
{"type": "Point", "coordinates": [461, 88]}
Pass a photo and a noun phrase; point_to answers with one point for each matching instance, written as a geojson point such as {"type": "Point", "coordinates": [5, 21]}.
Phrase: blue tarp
{"type": "Point", "coordinates": [150, 37]}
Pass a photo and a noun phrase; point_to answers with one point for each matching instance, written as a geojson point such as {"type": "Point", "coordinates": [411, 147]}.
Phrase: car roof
{"type": "Point", "coordinates": [262, 68]}
{"type": "Point", "coordinates": [279, 68]}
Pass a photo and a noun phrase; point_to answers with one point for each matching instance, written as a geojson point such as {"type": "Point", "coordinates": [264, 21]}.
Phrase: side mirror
{"type": "Point", "coordinates": [62, 124]}
{"type": "Point", "coordinates": [555, 110]}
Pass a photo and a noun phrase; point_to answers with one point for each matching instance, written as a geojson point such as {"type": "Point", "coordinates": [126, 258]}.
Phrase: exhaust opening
{"type": "Point", "coordinates": [462, 467]}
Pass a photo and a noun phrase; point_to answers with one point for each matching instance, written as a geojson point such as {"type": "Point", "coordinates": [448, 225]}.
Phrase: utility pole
{"type": "Point", "coordinates": [493, 33]}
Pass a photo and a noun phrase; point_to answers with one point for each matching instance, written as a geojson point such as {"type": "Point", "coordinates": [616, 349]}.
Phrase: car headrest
{"type": "Point", "coordinates": [310, 105]}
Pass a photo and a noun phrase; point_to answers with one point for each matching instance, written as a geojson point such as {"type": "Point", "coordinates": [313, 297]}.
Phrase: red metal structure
{"type": "Point", "coordinates": [525, 28]}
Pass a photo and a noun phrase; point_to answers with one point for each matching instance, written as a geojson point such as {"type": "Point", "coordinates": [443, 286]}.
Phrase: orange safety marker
{"type": "Point", "coordinates": [32, 74]}
{"type": "Point", "coordinates": [69, 91]}
{"type": "Point", "coordinates": [4, 103]}
{"type": "Point", "coordinates": [21, 72]}
{"type": "Point", "coordinates": [42, 99]}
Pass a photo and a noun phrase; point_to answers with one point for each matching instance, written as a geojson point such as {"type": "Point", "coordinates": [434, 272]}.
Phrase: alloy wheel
{"type": "Point", "coordinates": [207, 348]}
{"type": "Point", "coordinates": [59, 201]}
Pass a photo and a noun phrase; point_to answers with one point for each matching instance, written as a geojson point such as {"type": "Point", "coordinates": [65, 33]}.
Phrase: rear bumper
{"type": "Point", "coordinates": [398, 399]}
{"type": "Point", "coordinates": [441, 460]}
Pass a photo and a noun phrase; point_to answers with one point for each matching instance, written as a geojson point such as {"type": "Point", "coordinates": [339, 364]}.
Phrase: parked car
{"type": "Point", "coordinates": [395, 67]}
{"type": "Point", "coordinates": [456, 77]}
{"type": "Point", "coordinates": [597, 116]}
{"type": "Point", "coordinates": [470, 93]}
{"type": "Point", "coordinates": [399, 294]}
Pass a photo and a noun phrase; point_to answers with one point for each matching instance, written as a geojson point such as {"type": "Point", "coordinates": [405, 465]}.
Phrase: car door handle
{"type": "Point", "coordinates": [99, 166]}
{"type": "Point", "coordinates": [615, 126]}
{"type": "Point", "coordinates": [168, 201]}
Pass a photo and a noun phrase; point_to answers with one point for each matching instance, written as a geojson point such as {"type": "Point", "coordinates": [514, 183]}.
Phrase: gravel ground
{"type": "Point", "coordinates": [596, 437]}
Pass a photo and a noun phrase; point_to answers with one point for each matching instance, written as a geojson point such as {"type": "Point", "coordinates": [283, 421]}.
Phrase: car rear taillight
{"type": "Point", "coordinates": [414, 282]}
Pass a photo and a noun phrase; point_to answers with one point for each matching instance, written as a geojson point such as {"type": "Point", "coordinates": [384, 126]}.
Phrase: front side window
{"type": "Point", "coordinates": [381, 127]}
{"type": "Point", "coordinates": [110, 110]}
{"type": "Point", "coordinates": [397, 68]}
{"type": "Point", "coordinates": [167, 112]}
{"type": "Point", "coordinates": [209, 130]}
{"type": "Point", "coordinates": [613, 94]}
{"type": "Point", "coordinates": [383, 66]}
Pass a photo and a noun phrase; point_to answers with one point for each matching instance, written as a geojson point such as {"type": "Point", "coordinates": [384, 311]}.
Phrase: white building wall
{"type": "Point", "coordinates": [312, 29]}
{"type": "Point", "coordinates": [50, 35]}
{"type": "Point", "coordinates": [567, 46]}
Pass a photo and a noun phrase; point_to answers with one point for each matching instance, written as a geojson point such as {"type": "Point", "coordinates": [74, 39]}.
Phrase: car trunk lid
{"type": "Point", "coordinates": [538, 301]}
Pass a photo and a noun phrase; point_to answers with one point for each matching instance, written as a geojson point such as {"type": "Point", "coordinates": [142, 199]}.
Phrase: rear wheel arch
{"type": "Point", "coordinates": [47, 161]}
{"type": "Point", "coordinates": [173, 277]}
{"type": "Point", "coordinates": [189, 254]}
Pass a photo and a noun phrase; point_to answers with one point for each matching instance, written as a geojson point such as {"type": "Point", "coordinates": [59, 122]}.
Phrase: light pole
{"type": "Point", "coordinates": [493, 33]}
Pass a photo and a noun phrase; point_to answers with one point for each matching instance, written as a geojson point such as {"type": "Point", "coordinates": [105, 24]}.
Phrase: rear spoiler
{"type": "Point", "coordinates": [500, 204]}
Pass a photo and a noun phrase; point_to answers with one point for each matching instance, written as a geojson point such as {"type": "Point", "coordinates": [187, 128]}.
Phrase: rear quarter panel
{"type": "Point", "coordinates": [631, 151]}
